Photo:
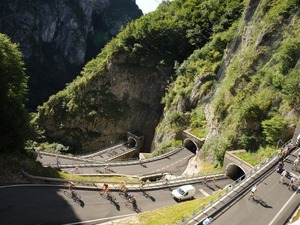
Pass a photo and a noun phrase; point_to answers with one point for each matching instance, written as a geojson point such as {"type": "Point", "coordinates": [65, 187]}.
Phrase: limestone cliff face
{"type": "Point", "coordinates": [122, 97]}
{"type": "Point", "coordinates": [57, 37]}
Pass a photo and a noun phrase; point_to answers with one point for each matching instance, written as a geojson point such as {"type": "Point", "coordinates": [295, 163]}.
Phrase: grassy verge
{"type": "Point", "coordinates": [98, 179]}
{"type": "Point", "coordinates": [257, 157]}
{"type": "Point", "coordinates": [209, 168]}
{"type": "Point", "coordinates": [176, 213]}
{"type": "Point", "coordinates": [11, 166]}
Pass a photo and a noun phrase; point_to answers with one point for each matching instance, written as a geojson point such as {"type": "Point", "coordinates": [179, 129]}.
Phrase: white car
{"type": "Point", "coordinates": [184, 192]}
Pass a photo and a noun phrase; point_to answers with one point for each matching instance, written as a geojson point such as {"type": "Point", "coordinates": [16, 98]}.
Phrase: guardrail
{"type": "Point", "coordinates": [102, 151]}
{"type": "Point", "coordinates": [161, 183]}
{"type": "Point", "coordinates": [114, 163]}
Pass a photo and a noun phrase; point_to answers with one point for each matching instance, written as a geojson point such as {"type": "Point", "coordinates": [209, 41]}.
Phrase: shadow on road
{"type": "Point", "coordinates": [112, 200]}
{"type": "Point", "coordinates": [261, 202]}
{"type": "Point", "coordinates": [209, 186]}
{"type": "Point", "coordinates": [147, 195]}
{"type": "Point", "coordinates": [75, 196]}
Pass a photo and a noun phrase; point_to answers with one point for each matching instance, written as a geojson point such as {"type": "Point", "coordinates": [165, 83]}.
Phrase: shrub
{"type": "Point", "coordinates": [274, 128]}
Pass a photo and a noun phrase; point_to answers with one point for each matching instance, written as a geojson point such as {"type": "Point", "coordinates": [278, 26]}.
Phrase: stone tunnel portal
{"type": "Point", "coordinates": [190, 145]}
{"type": "Point", "coordinates": [132, 142]}
{"type": "Point", "coordinates": [234, 171]}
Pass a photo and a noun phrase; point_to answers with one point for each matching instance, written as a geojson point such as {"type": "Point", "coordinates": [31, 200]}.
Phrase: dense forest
{"type": "Point", "coordinates": [228, 71]}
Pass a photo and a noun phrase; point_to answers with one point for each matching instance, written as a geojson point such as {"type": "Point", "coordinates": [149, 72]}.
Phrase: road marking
{"type": "Point", "coordinates": [96, 220]}
{"type": "Point", "coordinates": [280, 211]}
{"type": "Point", "coordinates": [172, 164]}
{"type": "Point", "coordinates": [204, 192]}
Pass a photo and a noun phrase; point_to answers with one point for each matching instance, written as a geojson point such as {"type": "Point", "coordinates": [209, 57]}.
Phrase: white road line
{"type": "Point", "coordinates": [172, 164]}
{"type": "Point", "coordinates": [280, 211]}
{"type": "Point", "coordinates": [203, 192]}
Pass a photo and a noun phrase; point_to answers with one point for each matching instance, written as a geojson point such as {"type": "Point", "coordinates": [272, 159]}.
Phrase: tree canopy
{"type": "Point", "coordinates": [13, 89]}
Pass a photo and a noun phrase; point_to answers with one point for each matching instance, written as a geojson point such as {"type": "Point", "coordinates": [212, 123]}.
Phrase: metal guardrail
{"type": "Point", "coordinates": [113, 163]}
{"type": "Point", "coordinates": [104, 150]}
{"type": "Point", "coordinates": [135, 186]}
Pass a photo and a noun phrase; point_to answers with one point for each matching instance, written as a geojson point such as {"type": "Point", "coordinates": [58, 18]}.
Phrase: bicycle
{"type": "Point", "coordinates": [132, 205]}
{"type": "Point", "coordinates": [251, 197]}
{"type": "Point", "coordinates": [108, 196]}
{"type": "Point", "coordinates": [123, 192]}
{"type": "Point", "coordinates": [72, 194]}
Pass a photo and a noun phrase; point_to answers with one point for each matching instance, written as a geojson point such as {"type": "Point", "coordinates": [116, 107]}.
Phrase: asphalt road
{"type": "Point", "coordinates": [43, 204]}
{"type": "Point", "coordinates": [175, 164]}
{"type": "Point", "coordinates": [273, 203]}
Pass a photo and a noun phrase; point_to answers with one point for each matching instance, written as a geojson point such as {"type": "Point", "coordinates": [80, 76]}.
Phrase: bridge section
{"type": "Point", "coordinates": [191, 142]}
{"type": "Point", "coordinates": [135, 140]}
{"type": "Point", "coordinates": [234, 166]}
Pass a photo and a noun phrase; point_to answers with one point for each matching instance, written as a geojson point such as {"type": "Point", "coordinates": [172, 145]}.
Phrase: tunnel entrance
{"type": "Point", "coordinates": [190, 145]}
{"type": "Point", "coordinates": [234, 172]}
{"type": "Point", "coordinates": [131, 142]}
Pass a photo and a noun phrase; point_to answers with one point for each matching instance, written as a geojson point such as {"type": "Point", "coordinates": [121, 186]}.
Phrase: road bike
{"type": "Point", "coordinates": [132, 205]}
{"type": "Point", "coordinates": [72, 194]}
{"type": "Point", "coordinates": [123, 194]}
{"type": "Point", "coordinates": [108, 196]}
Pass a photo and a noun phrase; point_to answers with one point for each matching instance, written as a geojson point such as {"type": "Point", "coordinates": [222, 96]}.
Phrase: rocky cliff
{"type": "Point", "coordinates": [57, 37]}
{"type": "Point", "coordinates": [245, 98]}
{"type": "Point", "coordinates": [229, 74]}
{"type": "Point", "coordinates": [121, 97]}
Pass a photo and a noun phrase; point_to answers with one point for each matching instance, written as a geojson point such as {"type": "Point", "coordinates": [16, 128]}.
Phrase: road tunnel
{"type": "Point", "coordinates": [190, 145]}
{"type": "Point", "coordinates": [234, 171]}
{"type": "Point", "coordinates": [131, 142]}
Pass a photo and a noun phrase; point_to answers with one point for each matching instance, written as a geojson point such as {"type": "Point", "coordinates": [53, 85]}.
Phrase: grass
{"type": "Point", "coordinates": [174, 214]}
{"type": "Point", "coordinates": [209, 168]}
{"type": "Point", "coordinates": [198, 132]}
{"type": "Point", "coordinates": [99, 179]}
{"type": "Point", "coordinates": [256, 157]}
{"type": "Point", "coordinates": [11, 166]}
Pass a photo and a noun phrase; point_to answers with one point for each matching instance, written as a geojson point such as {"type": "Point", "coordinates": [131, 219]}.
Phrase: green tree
{"type": "Point", "coordinates": [14, 120]}
{"type": "Point", "coordinates": [274, 129]}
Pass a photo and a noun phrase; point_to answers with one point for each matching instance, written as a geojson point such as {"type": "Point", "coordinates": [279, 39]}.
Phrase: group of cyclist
{"type": "Point", "coordinates": [105, 190]}
{"type": "Point", "coordinates": [293, 181]}
{"type": "Point", "coordinates": [122, 188]}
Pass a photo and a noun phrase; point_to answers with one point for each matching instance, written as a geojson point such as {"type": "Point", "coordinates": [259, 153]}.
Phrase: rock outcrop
{"type": "Point", "coordinates": [57, 37]}
{"type": "Point", "coordinates": [122, 97]}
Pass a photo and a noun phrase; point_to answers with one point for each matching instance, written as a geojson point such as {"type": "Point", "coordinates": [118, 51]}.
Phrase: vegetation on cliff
{"type": "Point", "coordinates": [14, 119]}
{"type": "Point", "coordinates": [235, 80]}
{"type": "Point", "coordinates": [244, 97]}
{"type": "Point", "coordinates": [151, 44]}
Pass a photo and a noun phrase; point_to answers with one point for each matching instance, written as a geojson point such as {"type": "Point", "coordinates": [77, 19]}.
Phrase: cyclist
{"type": "Point", "coordinates": [105, 189]}
{"type": "Point", "coordinates": [282, 176]}
{"type": "Point", "coordinates": [57, 161]}
{"type": "Point", "coordinates": [123, 187]}
{"type": "Point", "coordinates": [38, 152]}
{"type": "Point", "coordinates": [131, 198]}
{"type": "Point", "coordinates": [292, 183]}
{"type": "Point", "coordinates": [295, 163]}
{"type": "Point", "coordinates": [142, 183]}
{"type": "Point", "coordinates": [280, 167]}
{"type": "Point", "coordinates": [107, 167]}
{"type": "Point", "coordinates": [71, 186]}
{"type": "Point", "coordinates": [253, 190]}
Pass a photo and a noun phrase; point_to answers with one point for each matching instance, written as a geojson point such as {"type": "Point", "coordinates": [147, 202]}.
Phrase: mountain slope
{"type": "Point", "coordinates": [230, 71]}
{"type": "Point", "coordinates": [58, 37]}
